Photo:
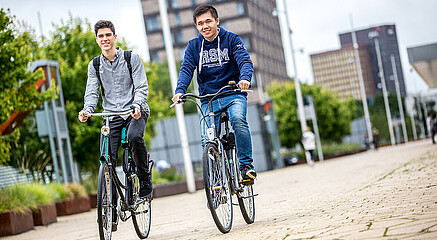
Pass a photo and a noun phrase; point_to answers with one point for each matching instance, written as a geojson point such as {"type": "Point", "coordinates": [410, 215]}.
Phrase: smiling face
{"type": "Point", "coordinates": [106, 39]}
{"type": "Point", "coordinates": [207, 25]}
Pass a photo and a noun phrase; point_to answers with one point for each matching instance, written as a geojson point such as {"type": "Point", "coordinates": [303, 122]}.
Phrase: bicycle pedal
{"type": "Point", "coordinates": [248, 182]}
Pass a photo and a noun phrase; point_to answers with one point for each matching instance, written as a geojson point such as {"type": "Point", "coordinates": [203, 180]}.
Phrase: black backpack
{"type": "Point", "coordinates": [96, 64]}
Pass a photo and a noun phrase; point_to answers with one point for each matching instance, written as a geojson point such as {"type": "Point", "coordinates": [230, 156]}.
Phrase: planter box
{"type": "Point", "coordinates": [93, 200]}
{"type": "Point", "coordinates": [14, 222]}
{"type": "Point", "coordinates": [174, 188]}
{"type": "Point", "coordinates": [44, 214]}
{"type": "Point", "coordinates": [72, 206]}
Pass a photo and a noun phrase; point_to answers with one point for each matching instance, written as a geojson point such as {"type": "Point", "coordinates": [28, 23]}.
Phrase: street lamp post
{"type": "Point", "coordinates": [299, 98]}
{"type": "Point", "coordinates": [362, 87]}
{"type": "Point", "coordinates": [398, 93]}
{"type": "Point", "coordinates": [384, 92]}
{"type": "Point", "coordinates": [179, 110]}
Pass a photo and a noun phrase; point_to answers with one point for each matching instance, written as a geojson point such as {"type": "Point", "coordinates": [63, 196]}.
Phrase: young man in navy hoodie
{"type": "Point", "coordinates": [220, 57]}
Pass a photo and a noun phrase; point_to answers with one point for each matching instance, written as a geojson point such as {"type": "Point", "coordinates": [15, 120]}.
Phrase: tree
{"type": "Point", "coordinates": [334, 115]}
{"type": "Point", "coordinates": [18, 91]}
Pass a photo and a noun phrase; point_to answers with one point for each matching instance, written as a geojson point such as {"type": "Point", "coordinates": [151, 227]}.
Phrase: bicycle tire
{"type": "Point", "coordinates": [142, 215]}
{"type": "Point", "coordinates": [104, 202]}
{"type": "Point", "coordinates": [217, 189]}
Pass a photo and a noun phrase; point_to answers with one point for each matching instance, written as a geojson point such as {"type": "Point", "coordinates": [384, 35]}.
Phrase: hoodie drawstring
{"type": "Point", "coordinates": [201, 54]}
{"type": "Point", "coordinates": [201, 57]}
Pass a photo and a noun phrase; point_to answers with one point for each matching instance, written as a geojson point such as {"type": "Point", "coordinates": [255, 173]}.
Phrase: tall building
{"type": "Point", "coordinates": [337, 71]}
{"type": "Point", "coordinates": [388, 44]}
{"type": "Point", "coordinates": [251, 19]}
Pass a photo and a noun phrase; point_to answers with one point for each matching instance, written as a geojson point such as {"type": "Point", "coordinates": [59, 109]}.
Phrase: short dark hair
{"type": "Point", "coordinates": [104, 24]}
{"type": "Point", "coordinates": [204, 8]}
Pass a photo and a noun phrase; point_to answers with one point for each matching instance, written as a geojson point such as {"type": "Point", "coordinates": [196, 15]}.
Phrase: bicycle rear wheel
{"type": "Point", "coordinates": [142, 215]}
{"type": "Point", "coordinates": [218, 193]}
{"type": "Point", "coordinates": [104, 202]}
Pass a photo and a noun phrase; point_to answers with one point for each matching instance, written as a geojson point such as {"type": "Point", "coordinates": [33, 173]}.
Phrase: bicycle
{"type": "Point", "coordinates": [221, 168]}
{"type": "Point", "coordinates": [109, 185]}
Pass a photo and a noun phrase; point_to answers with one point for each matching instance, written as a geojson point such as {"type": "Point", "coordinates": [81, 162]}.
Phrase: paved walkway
{"type": "Point", "coordinates": [389, 194]}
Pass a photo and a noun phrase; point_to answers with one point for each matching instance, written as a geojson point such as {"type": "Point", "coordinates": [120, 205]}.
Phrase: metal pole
{"type": "Point", "coordinates": [384, 92]}
{"type": "Point", "coordinates": [362, 87]}
{"type": "Point", "coordinates": [179, 110]}
{"type": "Point", "coordinates": [398, 93]}
{"type": "Point", "coordinates": [413, 126]}
{"type": "Point", "coordinates": [316, 129]}
{"type": "Point", "coordinates": [419, 110]}
{"type": "Point", "coordinates": [303, 123]}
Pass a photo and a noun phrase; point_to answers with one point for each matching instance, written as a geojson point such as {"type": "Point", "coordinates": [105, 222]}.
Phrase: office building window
{"type": "Point", "coordinates": [240, 8]}
{"type": "Point", "coordinates": [193, 2]}
{"type": "Point", "coordinates": [179, 36]}
{"type": "Point", "coordinates": [174, 3]}
{"type": "Point", "coordinates": [152, 23]}
{"type": "Point", "coordinates": [177, 19]}
{"type": "Point", "coordinates": [154, 56]}
{"type": "Point", "coordinates": [246, 42]}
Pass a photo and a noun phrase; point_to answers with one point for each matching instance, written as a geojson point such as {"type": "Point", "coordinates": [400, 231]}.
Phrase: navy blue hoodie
{"type": "Point", "coordinates": [217, 67]}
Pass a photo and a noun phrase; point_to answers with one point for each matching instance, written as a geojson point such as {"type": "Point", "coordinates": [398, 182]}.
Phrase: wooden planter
{"type": "Point", "coordinates": [14, 222]}
{"type": "Point", "coordinates": [174, 188]}
{"type": "Point", "coordinates": [93, 200]}
{"type": "Point", "coordinates": [72, 206]}
{"type": "Point", "coordinates": [44, 214]}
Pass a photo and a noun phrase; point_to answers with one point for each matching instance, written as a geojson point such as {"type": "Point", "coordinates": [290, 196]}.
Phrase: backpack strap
{"type": "Point", "coordinates": [96, 64]}
{"type": "Point", "coordinates": [127, 57]}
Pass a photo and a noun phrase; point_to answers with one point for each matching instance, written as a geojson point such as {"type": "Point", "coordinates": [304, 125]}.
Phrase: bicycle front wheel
{"type": "Point", "coordinates": [217, 189]}
{"type": "Point", "coordinates": [104, 202]}
{"type": "Point", "coordinates": [142, 215]}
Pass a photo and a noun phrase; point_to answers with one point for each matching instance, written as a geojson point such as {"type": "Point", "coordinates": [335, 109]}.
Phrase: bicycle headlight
{"type": "Point", "coordinates": [105, 130]}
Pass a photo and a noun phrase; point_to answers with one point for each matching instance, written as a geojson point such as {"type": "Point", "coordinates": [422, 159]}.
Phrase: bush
{"type": "Point", "coordinates": [167, 175]}
{"type": "Point", "coordinates": [77, 190]}
{"type": "Point", "coordinates": [22, 197]}
{"type": "Point", "coordinates": [63, 192]}
{"type": "Point", "coordinates": [90, 184]}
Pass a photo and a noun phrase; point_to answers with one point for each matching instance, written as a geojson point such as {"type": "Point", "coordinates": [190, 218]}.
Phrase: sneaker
{"type": "Point", "coordinates": [248, 173]}
{"type": "Point", "coordinates": [145, 188]}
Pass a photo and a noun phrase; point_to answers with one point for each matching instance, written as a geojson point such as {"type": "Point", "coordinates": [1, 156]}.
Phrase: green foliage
{"type": "Point", "coordinates": [62, 191]}
{"type": "Point", "coordinates": [334, 115]}
{"type": "Point", "coordinates": [77, 190]}
{"type": "Point", "coordinates": [167, 175]}
{"type": "Point", "coordinates": [30, 153]}
{"type": "Point", "coordinates": [17, 84]}
{"type": "Point", "coordinates": [22, 197]}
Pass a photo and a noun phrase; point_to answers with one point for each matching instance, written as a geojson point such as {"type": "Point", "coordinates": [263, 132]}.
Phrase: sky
{"type": "Point", "coordinates": [315, 24]}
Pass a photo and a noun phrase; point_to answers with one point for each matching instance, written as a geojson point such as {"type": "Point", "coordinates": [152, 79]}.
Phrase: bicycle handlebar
{"type": "Point", "coordinates": [233, 86]}
{"type": "Point", "coordinates": [108, 114]}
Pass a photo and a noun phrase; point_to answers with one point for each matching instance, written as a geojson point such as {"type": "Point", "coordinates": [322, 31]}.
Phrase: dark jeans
{"type": "Point", "coordinates": [433, 135]}
{"type": "Point", "coordinates": [135, 132]}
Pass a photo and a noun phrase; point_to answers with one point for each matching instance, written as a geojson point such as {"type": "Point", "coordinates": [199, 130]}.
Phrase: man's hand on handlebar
{"type": "Point", "coordinates": [244, 84]}
{"type": "Point", "coordinates": [176, 97]}
{"type": "Point", "coordinates": [136, 113]}
{"type": "Point", "coordinates": [82, 116]}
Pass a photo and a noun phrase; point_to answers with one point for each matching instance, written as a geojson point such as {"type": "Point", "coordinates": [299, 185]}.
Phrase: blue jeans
{"type": "Point", "coordinates": [235, 107]}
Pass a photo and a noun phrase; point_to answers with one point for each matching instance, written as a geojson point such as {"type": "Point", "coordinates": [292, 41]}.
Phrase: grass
{"type": "Point", "coordinates": [22, 197]}
{"type": "Point", "coordinates": [63, 192]}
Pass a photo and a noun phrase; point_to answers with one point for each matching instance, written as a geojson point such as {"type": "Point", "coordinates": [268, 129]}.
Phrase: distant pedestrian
{"type": "Point", "coordinates": [433, 126]}
{"type": "Point", "coordinates": [309, 143]}
{"type": "Point", "coordinates": [375, 135]}
{"type": "Point", "coordinates": [366, 141]}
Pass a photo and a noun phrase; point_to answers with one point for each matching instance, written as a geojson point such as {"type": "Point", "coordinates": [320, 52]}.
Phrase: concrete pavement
{"type": "Point", "coordinates": [389, 194]}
